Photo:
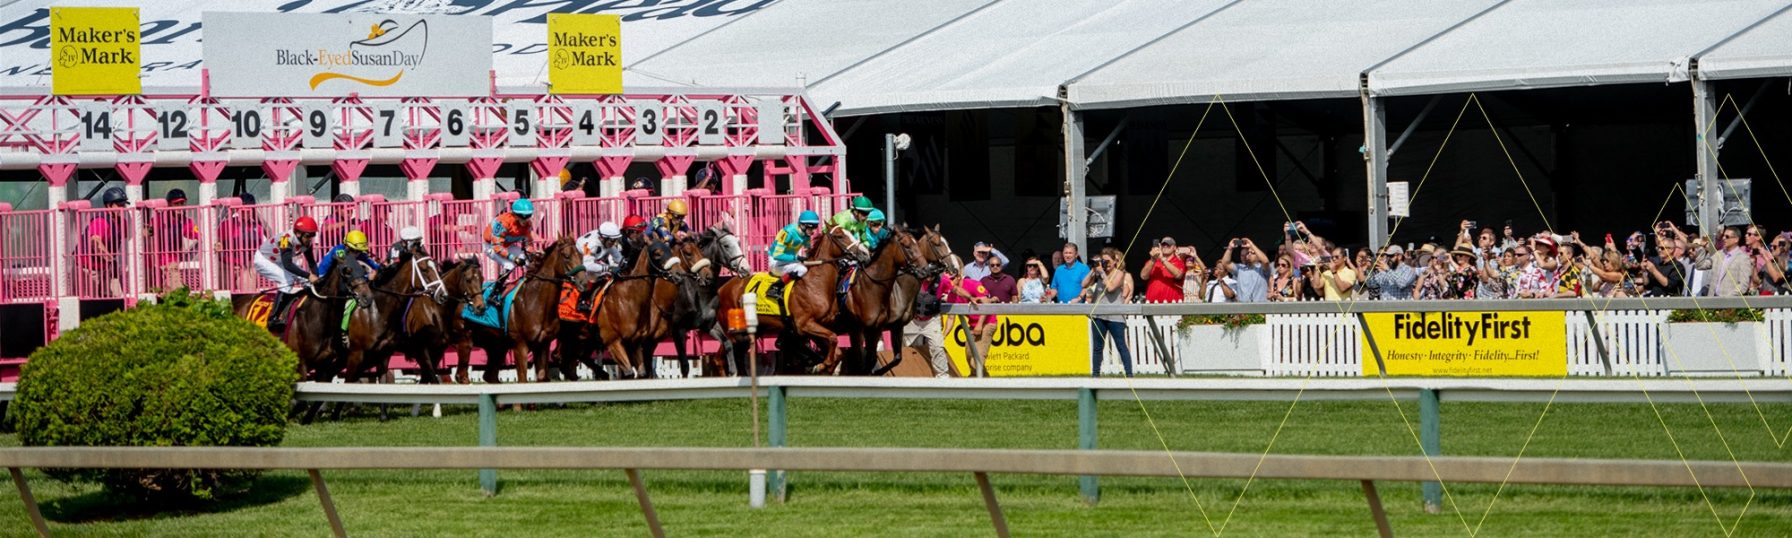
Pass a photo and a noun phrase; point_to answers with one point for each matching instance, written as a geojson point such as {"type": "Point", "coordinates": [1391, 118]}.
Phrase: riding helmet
{"type": "Point", "coordinates": [114, 195]}
{"type": "Point", "coordinates": [609, 230]}
{"type": "Point", "coordinates": [808, 217]}
{"type": "Point", "coordinates": [877, 215]}
{"type": "Point", "coordinates": [522, 207]}
{"type": "Point", "coordinates": [861, 203]}
{"type": "Point", "coordinates": [176, 197]}
{"type": "Point", "coordinates": [305, 225]}
{"type": "Point", "coordinates": [410, 233]}
{"type": "Point", "coordinates": [634, 222]}
{"type": "Point", "coordinates": [677, 207]}
{"type": "Point", "coordinates": [355, 240]}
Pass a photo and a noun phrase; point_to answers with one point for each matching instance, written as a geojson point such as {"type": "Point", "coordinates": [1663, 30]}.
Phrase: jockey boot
{"type": "Point", "coordinates": [497, 296]}
{"type": "Point", "coordinates": [585, 297]}
{"type": "Point", "coordinates": [277, 316]}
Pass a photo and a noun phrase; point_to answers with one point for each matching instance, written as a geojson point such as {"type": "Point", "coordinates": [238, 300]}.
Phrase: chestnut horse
{"type": "Point", "coordinates": [812, 307]}
{"type": "Point", "coordinates": [639, 309]}
{"type": "Point", "coordinates": [533, 321]}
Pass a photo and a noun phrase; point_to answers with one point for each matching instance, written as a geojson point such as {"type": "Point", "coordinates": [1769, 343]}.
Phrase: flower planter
{"type": "Point", "coordinates": [1214, 349]}
{"type": "Point", "coordinates": [1714, 348]}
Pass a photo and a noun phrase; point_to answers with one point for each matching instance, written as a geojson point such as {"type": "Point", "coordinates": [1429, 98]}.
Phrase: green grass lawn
{"type": "Point", "coordinates": [600, 503]}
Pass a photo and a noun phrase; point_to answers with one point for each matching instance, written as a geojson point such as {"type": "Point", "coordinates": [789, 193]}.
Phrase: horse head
{"type": "Point", "coordinates": [937, 252]}
{"type": "Point", "coordinates": [912, 257]}
{"type": "Point", "coordinates": [463, 282]}
{"type": "Point", "coordinates": [561, 259]}
{"type": "Point", "coordinates": [839, 244]}
{"type": "Point", "coordinates": [720, 243]}
{"type": "Point", "coordinates": [694, 261]}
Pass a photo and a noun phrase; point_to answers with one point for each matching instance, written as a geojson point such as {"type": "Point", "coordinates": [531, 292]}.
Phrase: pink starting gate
{"type": "Point", "coordinates": [100, 250]}
{"type": "Point", "coordinates": [241, 230]}
{"type": "Point", "coordinates": [27, 267]}
{"type": "Point", "coordinates": [771, 213]}
{"type": "Point", "coordinates": [387, 219]}
{"type": "Point", "coordinates": [173, 247]}
{"type": "Point", "coordinates": [457, 228]}
{"type": "Point", "coordinates": [586, 214]}
{"type": "Point", "coordinates": [707, 210]}
{"type": "Point", "coordinates": [550, 222]}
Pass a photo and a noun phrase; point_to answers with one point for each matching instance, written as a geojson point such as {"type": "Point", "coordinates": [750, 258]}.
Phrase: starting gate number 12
{"type": "Point", "coordinates": [171, 129]}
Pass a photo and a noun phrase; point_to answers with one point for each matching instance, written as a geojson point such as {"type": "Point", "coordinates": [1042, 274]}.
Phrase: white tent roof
{"type": "Point", "coordinates": [1013, 54]}
{"type": "Point", "coordinates": [1269, 49]}
{"type": "Point", "coordinates": [1529, 44]}
{"type": "Point", "coordinates": [1762, 51]}
{"type": "Point", "coordinates": [876, 56]}
{"type": "Point", "coordinates": [806, 39]}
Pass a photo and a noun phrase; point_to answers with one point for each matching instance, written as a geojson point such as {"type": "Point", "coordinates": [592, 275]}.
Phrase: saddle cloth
{"type": "Point", "coordinates": [759, 284]}
{"type": "Point", "coordinates": [262, 309]}
{"type": "Point", "coordinates": [495, 318]}
{"type": "Point", "coordinates": [569, 303]}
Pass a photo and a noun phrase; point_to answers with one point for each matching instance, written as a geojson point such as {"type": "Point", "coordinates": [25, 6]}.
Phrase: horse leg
{"type": "Point", "coordinates": [895, 351]}
{"type": "Point", "coordinates": [494, 363]}
{"type": "Point", "coordinates": [830, 344]}
{"type": "Point", "coordinates": [543, 357]}
{"type": "Point", "coordinates": [463, 351]}
{"type": "Point", "coordinates": [684, 366]}
{"type": "Point", "coordinates": [520, 353]}
{"type": "Point", "coordinates": [619, 353]}
{"type": "Point", "coordinates": [855, 354]}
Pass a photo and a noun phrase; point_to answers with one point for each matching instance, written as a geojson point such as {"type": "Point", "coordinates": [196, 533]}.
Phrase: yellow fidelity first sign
{"type": "Point", "coordinates": [1479, 344]}
{"type": "Point", "coordinates": [96, 51]}
{"type": "Point", "coordinates": [584, 53]}
{"type": "Point", "coordinates": [1027, 346]}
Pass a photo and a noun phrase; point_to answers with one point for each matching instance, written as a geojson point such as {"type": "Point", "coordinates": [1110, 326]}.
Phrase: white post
{"type": "Point", "coordinates": [1075, 216]}
{"type": "Point", "coordinates": [1711, 196]}
{"type": "Point", "coordinates": [415, 190]}
{"type": "Point", "coordinates": [674, 186]}
{"type": "Point", "coordinates": [483, 188]}
{"type": "Point", "coordinates": [1375, 159]}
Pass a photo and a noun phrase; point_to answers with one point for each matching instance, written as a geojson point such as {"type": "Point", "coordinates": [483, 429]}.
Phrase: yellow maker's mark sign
{"type": "Point", "coordinates": [95, 51]}
{"type": "Point", "coordinates": [1480, 344]}
{"type": "Point", "coordinates": [584, 53]}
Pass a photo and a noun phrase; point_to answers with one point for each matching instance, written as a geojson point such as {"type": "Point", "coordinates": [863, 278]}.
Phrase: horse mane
{"type": "Point", "coordinates": [556, 246]}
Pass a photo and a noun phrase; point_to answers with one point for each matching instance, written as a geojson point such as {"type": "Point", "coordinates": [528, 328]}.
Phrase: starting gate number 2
{"type": "Point", "coordinates": [710, 123]}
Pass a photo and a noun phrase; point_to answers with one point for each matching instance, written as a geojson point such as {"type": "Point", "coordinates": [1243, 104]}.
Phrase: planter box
{"type": "Point", "coordinates": [1713, 348]}
{"type": "Point", "coordinates": [1213, 349]}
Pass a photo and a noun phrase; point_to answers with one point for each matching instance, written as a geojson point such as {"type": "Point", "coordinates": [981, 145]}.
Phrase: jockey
{"type": "Point", "coordinates": [670, 226]}
{"type": "Point", "coordinates": [787, 247]}
{"type": "Point", "coordinates": [504, 240]}
{"type": "Point", "coordinates": [875, 231]}
{"type": "Point", "coordinates": [633, 240]}
{"type": "Point", "coordinates": [353, 248]}
{"type": "Point", "coordinates": [275, 261]}
{"type": "Point", "coordinates": [408, 237]}
{"type": "Point", "coordinates": [602, 250]}
{"type": "Point", "coordinates": [853, 219]}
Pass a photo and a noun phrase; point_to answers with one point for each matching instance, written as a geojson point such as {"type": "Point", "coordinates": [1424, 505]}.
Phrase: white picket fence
{"type": "Point", "coordinates": [1779, 338]}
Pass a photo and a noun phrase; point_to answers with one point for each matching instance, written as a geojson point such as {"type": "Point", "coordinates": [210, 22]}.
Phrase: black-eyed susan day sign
{"type": "Point", "coordinates": [333, 55]}
{"type": "Point", "coordinates": [1479, 344]}
{"type": "Point", "coordinates": [95, 51]}
{"type": "Point", "coordinates": [584, 53]}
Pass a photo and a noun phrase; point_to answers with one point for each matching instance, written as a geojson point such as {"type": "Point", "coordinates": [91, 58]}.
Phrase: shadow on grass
{"type": "Point", "coordinates": [100, 506]}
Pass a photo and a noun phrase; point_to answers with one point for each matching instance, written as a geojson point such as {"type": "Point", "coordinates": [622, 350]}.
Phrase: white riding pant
{"type": "Point", "coordinates": [925, 334]}
{"type": "Point", "coordinates": [504, 263]}
{"type": "Point", "coordinates": [271, 270]}
{"type": "Point", "coordinates": [796, 269]}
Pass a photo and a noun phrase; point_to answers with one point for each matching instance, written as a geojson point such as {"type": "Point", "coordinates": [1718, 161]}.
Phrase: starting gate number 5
{"type": "Point", "coordinates": [522, 127]}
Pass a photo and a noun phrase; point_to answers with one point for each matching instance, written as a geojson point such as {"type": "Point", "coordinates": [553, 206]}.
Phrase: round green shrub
{"type": "Point", "coordinates": [184, 372]}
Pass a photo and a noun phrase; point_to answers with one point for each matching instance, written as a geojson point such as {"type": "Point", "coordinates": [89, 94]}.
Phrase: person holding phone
{"type": "Point", "coordinates": [1109, 283]}
{"type": "Point", "coordinates": [1251, 267]}
{"type": "Point", "coordinates": [1335, 277]}
{"type": "Point", "coordinates": [1163, 273]}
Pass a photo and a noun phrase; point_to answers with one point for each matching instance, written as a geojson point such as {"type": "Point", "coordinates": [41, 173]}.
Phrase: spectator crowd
{"type": "Point", "coordinates": [1481, 263]}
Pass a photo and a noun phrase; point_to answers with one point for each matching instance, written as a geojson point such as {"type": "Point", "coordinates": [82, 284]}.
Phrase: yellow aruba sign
{"type": "Point", "coordinates": [1027, 346]}
{"type": "Point", "coordinates": [584, 53]}
{"type": "Point", "coordinates": [1478, 344]}
{"type": "Point", "coordinates": [95, 51]}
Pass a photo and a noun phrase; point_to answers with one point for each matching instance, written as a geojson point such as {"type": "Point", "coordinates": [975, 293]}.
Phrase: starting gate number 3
{"type": "Point", "coordinates": [650, 123]}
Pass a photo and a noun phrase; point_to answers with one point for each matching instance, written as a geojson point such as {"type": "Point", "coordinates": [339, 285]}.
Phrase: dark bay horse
{"type": "Point", "coordinates": [879, 300]}
{"type": "Point", "coordinates": [936, 254]}
{"type": "Point", "coordinates": [811, 299]}
{"type": "Point", "coordinates": [314, 333]}
{"type": "Point", "coordinates": [533, 321]}
{"type": "Point", "coordinates": [639, 309]}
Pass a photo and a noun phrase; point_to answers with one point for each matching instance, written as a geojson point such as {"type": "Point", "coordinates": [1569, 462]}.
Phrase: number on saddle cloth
{"type": "Point", "coordinates": [762, 285]}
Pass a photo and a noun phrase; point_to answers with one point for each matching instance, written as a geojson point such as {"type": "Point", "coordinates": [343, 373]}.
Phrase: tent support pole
{"type": "Point", "coordinates": [1375, 159]}
{"type": "Point", "coordinates": [1704, 113]}
{"type": "Point", "coordinates": [1076, 219]}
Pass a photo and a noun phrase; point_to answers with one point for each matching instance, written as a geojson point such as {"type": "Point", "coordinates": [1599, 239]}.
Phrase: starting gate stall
{"type": "Point", "coordinates": [101, 251]}
{"type": "Point", "coordinates": [27, 267]}
{"type": "Point", "coordinates": [173, 249]}
{"type": "Point", "coordinates": [387, 218]}
{"type": "Point", "coordinates": [457, 228]}
{"type": "Point", "coordinates": [708, 209]}
{"type": "Point", "coordinates": [770, 213]}
{"type": "Point", "coordinates": [588, 213]}
{"type": "Point", "coordinates": [828, 203]}
{"type": "Point", "coordinates": [549, 222]}
{"type": "Point", "coordinates": [242, 229]}
{"type": "Point", "coordinates": [334, 220]}
{"type": "Point", "coordinates": [649, 207]}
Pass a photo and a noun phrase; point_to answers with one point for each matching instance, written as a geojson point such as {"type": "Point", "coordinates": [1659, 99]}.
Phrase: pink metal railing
{"type": "Point", "coordinates": [27, 267]}
{"type": "Point", "coordinates": [386, 219]}
{"type": "Point", "coordinates": [457, 227]}
{"type": "Point", "coordinates": [173, 252]}
{"type": "Point", "coordinates": [241, 230]}
{"type": "Point", "coordinates": [100, 250]}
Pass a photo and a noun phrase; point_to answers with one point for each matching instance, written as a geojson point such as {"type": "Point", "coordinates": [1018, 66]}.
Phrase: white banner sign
{"type": "Point", "coordinates": [322, 55]}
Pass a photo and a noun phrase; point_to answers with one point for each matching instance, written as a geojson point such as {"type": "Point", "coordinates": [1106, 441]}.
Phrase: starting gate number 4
{"type": "Point", "coordinates": [585, 120]}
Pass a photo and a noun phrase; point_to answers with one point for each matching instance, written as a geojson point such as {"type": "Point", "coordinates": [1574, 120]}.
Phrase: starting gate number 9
{"type": "Point", "coordinates": [454, 126]}
{"type": "Point", "coordinates": [318, 131]}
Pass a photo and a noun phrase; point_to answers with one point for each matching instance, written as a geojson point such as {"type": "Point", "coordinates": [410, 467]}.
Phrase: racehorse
{"type": "Point", "coordinates": [720, 245]}
{"type": "Point", "coordinates": [638, 309]}
{"type": "Point", "coordinates": [533, 320]}
{"type": "Point", "coordinates": [313, 334]}
{"type": "Point", "coordinates": [878, 300]}
{"type": "Point", "coordinates": [811, 299]}
{"type": "Point", "coordinates": [938, 257]}
{"type": "Point", "coordinates": [693, 309]}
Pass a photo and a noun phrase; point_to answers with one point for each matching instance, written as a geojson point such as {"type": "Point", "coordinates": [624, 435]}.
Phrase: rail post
{"type": "Point", "coordinates": [1429, 439]}
{"type": "Point", "coordinates": [1085, 440]}
{"type": "Point", "coordinates": [488, 437]}
{"type": "Point", "coordinates": [775, 436]}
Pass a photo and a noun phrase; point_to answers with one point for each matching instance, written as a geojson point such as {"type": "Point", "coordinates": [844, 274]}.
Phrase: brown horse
{"type": "Point", "coordinates": [533, 320]}
{"type": "Point", "coordinates": [880, 299]}
{"type": "Point", "coordinates": [937, 255]}
{"type": "Point", "coordinates": [812, 307]}
{"type": "Point", "coordinates": [639, 309]}
{"type": "Point", "coordinates": [314, 332]}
